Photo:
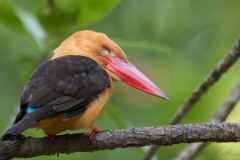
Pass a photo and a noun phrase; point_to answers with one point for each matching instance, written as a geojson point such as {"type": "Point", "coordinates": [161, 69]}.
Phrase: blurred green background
{"type": "Point", "coordinates": [175, 43]}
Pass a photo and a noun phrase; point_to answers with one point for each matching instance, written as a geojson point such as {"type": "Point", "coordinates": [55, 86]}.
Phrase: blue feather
{"type": "Point", "coordinates": [30, 109]}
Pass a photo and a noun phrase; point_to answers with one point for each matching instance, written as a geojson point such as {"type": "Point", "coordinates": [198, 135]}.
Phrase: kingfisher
{"type": "Point", "coordinates": [70, 91]}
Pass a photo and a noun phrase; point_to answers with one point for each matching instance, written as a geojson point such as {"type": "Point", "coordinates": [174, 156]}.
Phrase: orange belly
{"type": "Point", "coordinates": [85, 120]}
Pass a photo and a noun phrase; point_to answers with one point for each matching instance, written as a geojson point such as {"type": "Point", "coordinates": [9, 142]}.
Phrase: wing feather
{"type": "Point", "coordinates": [67, 84]}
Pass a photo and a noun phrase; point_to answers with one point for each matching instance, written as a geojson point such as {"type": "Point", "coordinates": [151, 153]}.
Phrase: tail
{"type": "Point", "coordinates": [18, 128]}
{"type": "Point", "coordinates": [28, 121]}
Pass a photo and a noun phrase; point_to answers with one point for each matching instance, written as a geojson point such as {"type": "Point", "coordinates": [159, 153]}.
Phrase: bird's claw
{"type": "Point", "coordinates": [52, 137]}
{"type": "Point", "coordinates": [95, 130]}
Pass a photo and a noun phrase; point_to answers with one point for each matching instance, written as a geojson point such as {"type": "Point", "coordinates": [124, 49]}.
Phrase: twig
{"type": "Point", "coordinates": [231, 101]}
{"type": "Point", "coordinates": [109, 140]}
{"type": "Point", "coordinates": [194, 149]}
{"type": "Point", "coordinates": [209, 81]}
{"type": "Point", "coordinates": [213, 77]}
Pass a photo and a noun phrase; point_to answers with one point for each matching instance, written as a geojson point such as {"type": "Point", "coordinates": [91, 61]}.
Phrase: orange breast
{"type": "Point", "coordinates": [85, 120]}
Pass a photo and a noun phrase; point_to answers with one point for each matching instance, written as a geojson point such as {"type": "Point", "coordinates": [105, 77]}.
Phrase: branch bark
{"type": "Point", "coordinates": [109, 140]}
{"type": "Point", "coordinates": [194, 149]}
{"type": "Point", "coordinates": [208, 82]}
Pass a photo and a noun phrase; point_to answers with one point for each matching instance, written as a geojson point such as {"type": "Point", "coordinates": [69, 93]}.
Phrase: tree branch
{"type": "Point", "coordinates": [109, 140]}
{"type": "Point", "coordinates": [194, 149]}
{"type": "Point", "coordinates": [209, 81]}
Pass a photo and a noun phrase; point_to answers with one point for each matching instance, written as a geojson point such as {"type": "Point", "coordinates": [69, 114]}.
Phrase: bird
{"type": "Point", "coordinates": [69, 91]}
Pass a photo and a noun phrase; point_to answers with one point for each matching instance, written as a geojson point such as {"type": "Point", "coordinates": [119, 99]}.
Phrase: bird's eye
{"type": "Point", "coordinates": [105, 51]}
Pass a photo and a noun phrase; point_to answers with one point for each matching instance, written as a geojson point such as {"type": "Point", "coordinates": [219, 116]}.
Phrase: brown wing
{"type": "Point", "coordinates": [62, 85]}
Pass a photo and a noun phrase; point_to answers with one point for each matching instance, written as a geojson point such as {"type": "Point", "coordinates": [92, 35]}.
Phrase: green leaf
{"type": "Point", "coordinates": [10, 18]}
{"type": "Point", "coordinates": [92, 10]}
{"type": "Point", "coordinates": [33, 27]}
{"type": "Point", "coordinates": [22, 22]}
{"type": "Point", "coordinates": [68, 15]}
{"type": "Point", "coordinates": [157, 48]}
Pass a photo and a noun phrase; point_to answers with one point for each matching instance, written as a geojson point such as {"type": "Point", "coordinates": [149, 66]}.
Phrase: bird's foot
{"type": "Point", "coordinates": [52, 137]}
{"type": "Point", "coordinates": [95, 130]}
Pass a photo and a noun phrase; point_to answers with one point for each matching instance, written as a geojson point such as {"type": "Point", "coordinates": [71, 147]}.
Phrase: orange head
{"type": "Point", "coordinates": [110, 56]}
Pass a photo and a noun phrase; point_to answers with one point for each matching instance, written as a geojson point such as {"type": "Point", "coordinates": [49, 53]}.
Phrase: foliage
{"type": "Point", "coordinates": [175, 43]}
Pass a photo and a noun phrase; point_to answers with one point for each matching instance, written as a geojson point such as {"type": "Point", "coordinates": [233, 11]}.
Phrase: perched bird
{"type": "Point", "coordinates": [70, 91]}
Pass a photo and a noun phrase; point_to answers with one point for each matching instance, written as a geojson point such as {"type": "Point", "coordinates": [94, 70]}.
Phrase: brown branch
{"type": "Point", "coordinates": [209, 81]}
{"type": "Point", "coordinates": [229, 104]}
{"type": "Point", "coordinates": [194, 149]}
{"type": "Point", "coordinates": [109, 140]}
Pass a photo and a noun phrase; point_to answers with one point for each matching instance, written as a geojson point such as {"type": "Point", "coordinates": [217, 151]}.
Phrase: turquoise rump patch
{"type": "Point", "coordinates": [30, 109]}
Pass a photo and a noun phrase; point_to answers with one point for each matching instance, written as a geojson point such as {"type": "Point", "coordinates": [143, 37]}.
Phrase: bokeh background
{"type": "Point", "coordinates": [175, 43]}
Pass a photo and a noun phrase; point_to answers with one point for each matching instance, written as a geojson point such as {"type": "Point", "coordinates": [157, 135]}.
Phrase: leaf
{"type": "Point", "coordinates": [33, 27]}
{"type": "Point", "coordinates": [92, 10]}
{"type": "Point", "coordinates": [10, 18]}
{"type": "Point", "coordinates": [22, 22]}
{"type": "Point", "coordinates": [67, 15]}
{"type": "Point", "coordinates": [157, 48]}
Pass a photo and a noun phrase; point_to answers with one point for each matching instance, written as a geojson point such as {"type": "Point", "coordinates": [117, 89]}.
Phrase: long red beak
{"type": "Point", "coordinates": [130, 75]}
